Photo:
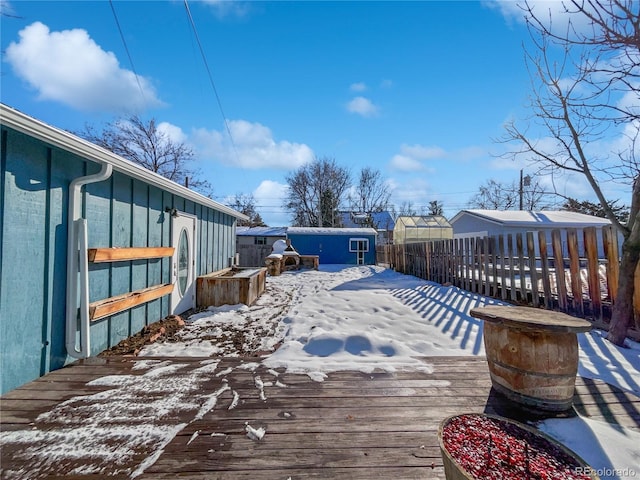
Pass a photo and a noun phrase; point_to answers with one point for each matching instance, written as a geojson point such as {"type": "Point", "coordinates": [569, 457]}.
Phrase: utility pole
{"type": "Point", "coordinates": [524, 182]}
{"type": "Point", "coordinates": [521, 189]}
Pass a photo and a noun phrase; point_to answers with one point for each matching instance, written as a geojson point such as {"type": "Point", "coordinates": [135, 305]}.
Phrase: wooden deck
{"type": "Point", "coordinates": [186, 418]}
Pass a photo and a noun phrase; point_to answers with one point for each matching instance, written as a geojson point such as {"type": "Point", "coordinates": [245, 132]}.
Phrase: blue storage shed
{"type": "Point", "coordinates": [92, 247]}
{"type": "Point", "coordinates": [350, 246]}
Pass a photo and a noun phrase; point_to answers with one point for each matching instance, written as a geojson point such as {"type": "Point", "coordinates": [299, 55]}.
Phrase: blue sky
{"type": "Point", "coordinates": [417, 90]}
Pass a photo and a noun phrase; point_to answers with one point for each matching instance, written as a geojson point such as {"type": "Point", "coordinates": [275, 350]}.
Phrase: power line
{"type": "Point", "coordinates": [213, 85]}
{"type": "Point", "coordinates": [126, 48]}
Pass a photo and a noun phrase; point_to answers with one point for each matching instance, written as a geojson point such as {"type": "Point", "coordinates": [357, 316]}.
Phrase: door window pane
{"type": "Point", "coordinates": [183, 262]}
{"type": "Point", "coordinates": [358, 244]}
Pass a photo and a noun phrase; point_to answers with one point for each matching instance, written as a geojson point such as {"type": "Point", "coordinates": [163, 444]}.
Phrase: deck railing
{"type": "Point", "coordinates": [575, 275]}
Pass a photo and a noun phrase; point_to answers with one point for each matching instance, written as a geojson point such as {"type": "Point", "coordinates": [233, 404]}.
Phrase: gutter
{"type": "Point", "coordinates": [71, 143]}
{"type": "Point", "coordinates": [77, 263]}
{"type": "Point", "coordinates": [78, 267]}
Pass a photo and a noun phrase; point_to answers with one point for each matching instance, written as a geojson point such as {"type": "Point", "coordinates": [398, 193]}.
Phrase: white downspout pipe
{"type": "Point", "coordinates": [77, 263]}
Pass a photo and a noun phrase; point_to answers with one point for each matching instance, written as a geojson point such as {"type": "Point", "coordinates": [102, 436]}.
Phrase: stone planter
{"type": "Point", "coordinates": [272, 263]}
{"type": "Point", "coordinates": [479, 447]}
{"type": "Point", "coordinates": [532, 354]}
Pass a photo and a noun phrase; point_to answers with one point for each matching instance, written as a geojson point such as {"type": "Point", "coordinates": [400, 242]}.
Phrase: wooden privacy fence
{"type": "Point", "coordinates": [252, 255]}
{"type": "Point", "coordinates": [575, 275]}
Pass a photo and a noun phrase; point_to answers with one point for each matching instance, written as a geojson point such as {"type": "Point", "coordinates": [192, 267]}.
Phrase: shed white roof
{"type": "Point", "coordinates": [261, 231]}
{"type": "Point", "coordinates": [548, 218]}
{"type": "Point", "coordinates": [331, 231]}
{"type": "Point", "coordinates": [67, 141]}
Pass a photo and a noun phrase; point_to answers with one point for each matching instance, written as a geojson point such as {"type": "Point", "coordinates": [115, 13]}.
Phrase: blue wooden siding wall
{"type": "Point", "coordinates": [120, 212]}
{"type": "Point", "coordinates": [332, 249]}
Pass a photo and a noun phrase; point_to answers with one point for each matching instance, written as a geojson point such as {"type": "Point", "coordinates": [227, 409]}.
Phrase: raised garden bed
{"type": "Point", "coordinates": [230, 286]}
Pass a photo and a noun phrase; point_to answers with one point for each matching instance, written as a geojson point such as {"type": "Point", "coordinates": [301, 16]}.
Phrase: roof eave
{"type": "Point", "coordinates": [476, 215]}
{"type": "Point", "coordinates": [67, 141]}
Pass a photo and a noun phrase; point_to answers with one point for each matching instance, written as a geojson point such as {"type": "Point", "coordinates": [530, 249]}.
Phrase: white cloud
{"type": "Point", "coordinates": [224, 8]}
{"type": "Point", "coordinates": [510, 10]}
{"type": "Point", "coordinates": [470, 153]}
{"type": "Point", "coordinates": [358, 87]}
{"type": "Point", "coordinates": [69, 67]}
{"type": "Point", "coordinates": [362, 106]}
{"type": "Point", "coordinates": [406, 164]}
{"type": "Point", "coordinates": [413, 190]}
{"type": "Point", "coordinates": [625, 142]}
{"type": "Point", "coordinates": [174, 133]}
{"type": "Point", "coordinates": [411, 156]}
{"type": "Point", "coordinates": [421, 152]}
{"type": "Point", "coordinates": [551, 12]}
{"type": "Point", "coordinates": [270, 196]}
{"type": "Point", "coordinates": [630, 101]}
{"type": "Point", "coordinates": [386, 83]}
{"type": "Point", "coordinates": [569, 184]}
{"type": "Point", "coordinates": [253, 147]}
{"type": "Point", "coordinates": [603, 155]}
{"type": "Point", "coordinates": [268, 191]}
{"type": "Point", "coordinates": [6, 8]}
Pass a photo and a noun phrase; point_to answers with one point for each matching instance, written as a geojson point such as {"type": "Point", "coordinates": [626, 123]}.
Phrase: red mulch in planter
{"type": "Point", "coordinates": [489, 448]}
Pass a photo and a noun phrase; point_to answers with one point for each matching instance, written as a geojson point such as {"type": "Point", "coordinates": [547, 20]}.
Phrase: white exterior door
{"type": "Point", "coordinates": [360, 246]}
{"type": "Point", "coordinates": [183, 239]}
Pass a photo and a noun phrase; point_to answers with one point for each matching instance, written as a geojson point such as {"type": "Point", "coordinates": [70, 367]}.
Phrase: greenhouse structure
{"type": "Point", "coordinates": [425, 228]}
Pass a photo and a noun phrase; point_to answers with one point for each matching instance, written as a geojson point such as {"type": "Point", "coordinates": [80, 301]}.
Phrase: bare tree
{"type": "Point", "coordinates": [246, 204]}
{"type": "Point", "coordinates": [370, 194]}
{"type": "Point", "coordinates": [315, 193]}
{"type": "Point", "coordinates": [493, 195]}
{"type": "Point", "coordinates": [612, 41]}
{"type": "Point", "coordinates": [406, 209]}
{"type": "Point", "coordinates": [595, 209]}
{"type": "Point", "coordinates": [435, 208]}
{"type": "Point", "coordinates": [143, 143]}
{"type": "Point", "coordinates": [580, 99]}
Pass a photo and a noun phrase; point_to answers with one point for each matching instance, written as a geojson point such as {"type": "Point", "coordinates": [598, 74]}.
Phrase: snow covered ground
{"type": "Point", "coordinates": [367, 317]}
{"type": "Point", "coordinates": [312, 322]}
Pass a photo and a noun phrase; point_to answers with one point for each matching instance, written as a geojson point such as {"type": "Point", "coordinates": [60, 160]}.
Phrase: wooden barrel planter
{"type": "Point", "coordinates": [478, 447]}
{"type": "Point", "coordinates": [532, 354]}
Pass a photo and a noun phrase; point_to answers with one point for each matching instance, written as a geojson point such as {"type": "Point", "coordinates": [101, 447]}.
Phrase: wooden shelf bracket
{"type": "Point", "coordinates": [116, 254]}
{"type": "Point", "coordinates": [113, 305]}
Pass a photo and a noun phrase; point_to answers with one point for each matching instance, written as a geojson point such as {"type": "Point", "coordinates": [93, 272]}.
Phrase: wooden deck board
{"type": "Point", "coordinates": [353, 425]}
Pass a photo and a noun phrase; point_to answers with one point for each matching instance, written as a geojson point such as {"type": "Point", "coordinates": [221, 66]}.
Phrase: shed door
{"type": "Point", "coordinates": [360, 246]}
{"type": "Point", "coordinates": [183, 239]}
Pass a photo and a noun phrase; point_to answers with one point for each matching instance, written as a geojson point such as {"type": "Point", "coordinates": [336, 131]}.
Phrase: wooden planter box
{"type": "Point", "coordinates": [310, 261]}
{"type": "Point", "coordinates": [498, 447]}
{"type": "Point", "coordinates": [532, 354]}
{"type": "Point", "coordinates": [230, 286]}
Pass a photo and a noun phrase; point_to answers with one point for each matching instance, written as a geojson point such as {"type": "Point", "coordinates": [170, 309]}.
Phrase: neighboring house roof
{"type": "Point", "coordinates": [331, 231]}
{"type": "Point", "coordinates": [23, 123]}
{"type": "Point", "coordinates": [423, 221]}
{"type": "Point", "coordinates": [261, 231]}
{"type": "Point", "coordinates": [380, 220]}
{"type": "Point", "coordinates": [544, 218]}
